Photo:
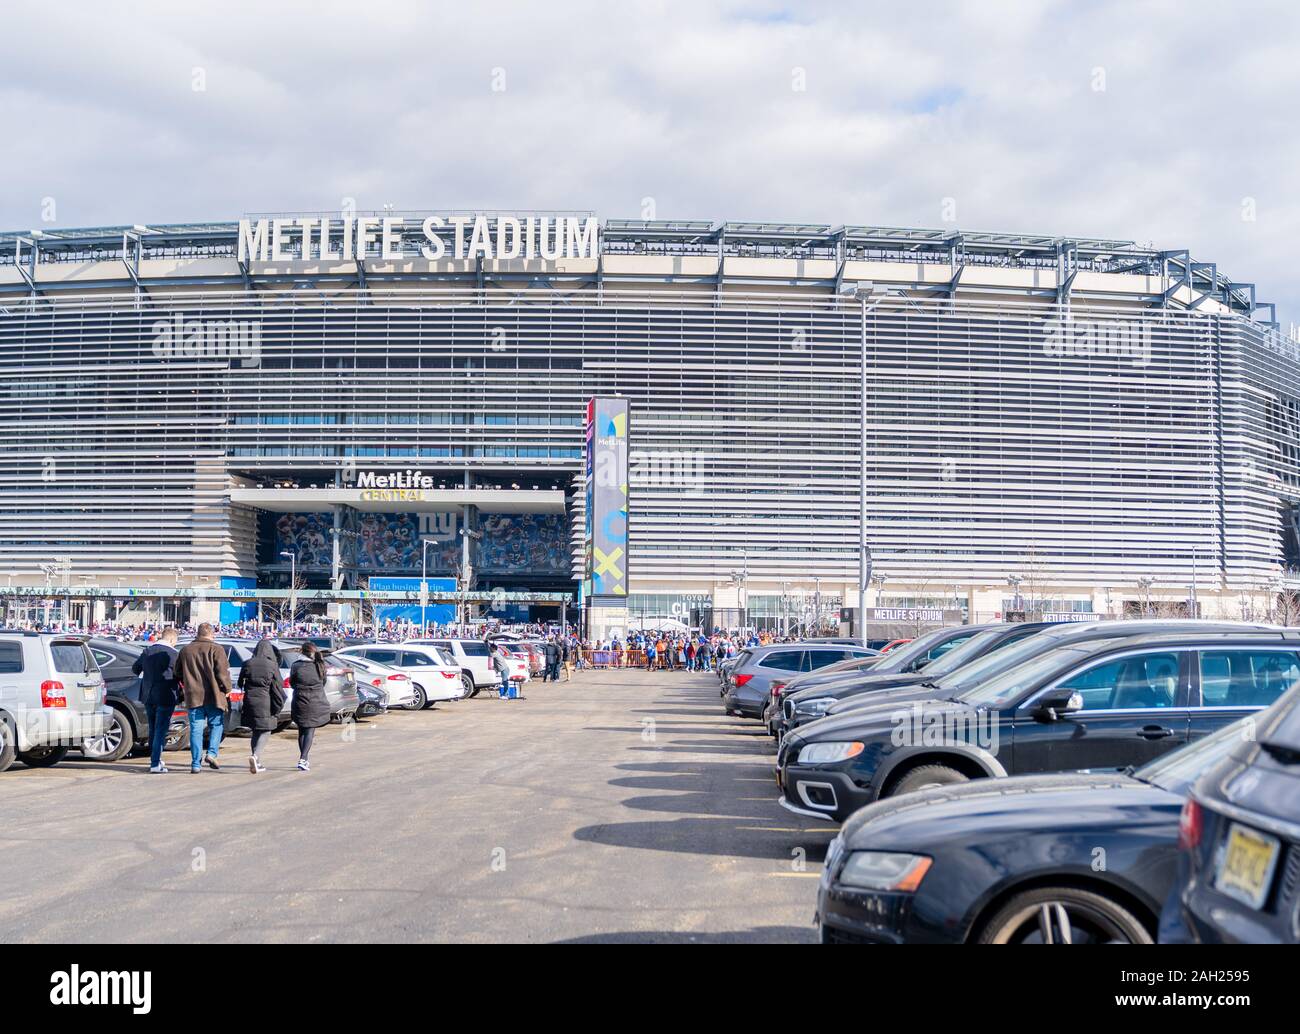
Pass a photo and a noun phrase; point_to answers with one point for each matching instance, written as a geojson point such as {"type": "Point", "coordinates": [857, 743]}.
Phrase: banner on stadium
{"type": "Point", "coordinates": [605, 577]}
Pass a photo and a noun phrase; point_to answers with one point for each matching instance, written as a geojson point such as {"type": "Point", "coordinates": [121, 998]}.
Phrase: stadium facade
{"type": "Point", "coordinates": [1060, 425]}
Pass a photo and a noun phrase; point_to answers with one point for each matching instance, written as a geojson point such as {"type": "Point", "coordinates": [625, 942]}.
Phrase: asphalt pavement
{"type": "Point", "coordinates": [623, 806]}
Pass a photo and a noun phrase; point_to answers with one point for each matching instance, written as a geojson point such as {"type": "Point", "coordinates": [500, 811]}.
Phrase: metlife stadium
{"type": "Point", "coordinates": [195, 408]}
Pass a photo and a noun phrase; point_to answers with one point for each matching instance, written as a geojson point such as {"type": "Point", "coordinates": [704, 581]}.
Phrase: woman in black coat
{"type": "Point", "coordinates": [310, 707]}
{"type": "Point", "coordinates": [263, 698]}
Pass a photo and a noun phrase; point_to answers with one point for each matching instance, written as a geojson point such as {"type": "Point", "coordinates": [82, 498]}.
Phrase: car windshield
{"type": "Point", "coordinates": [900, 658]}
{"type": "Point", "coordinates": [963, 654]}
{"type": "Point", "coordinates": [995, 662]}
{"type": "Point", "coordinates": [1003, 690]}
{"type": "Point", "coordinates": [1178, 770]}
{"type": "Point", "coordinates": [1283, 730]}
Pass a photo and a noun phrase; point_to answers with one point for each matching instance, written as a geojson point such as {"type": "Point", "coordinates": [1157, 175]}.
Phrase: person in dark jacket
{"type": "Point", "coordinates": [203, 670]}
{"type": "Point", "coordinates": [159, 692]}
{"type": "Point", "coordinates": [260, 678]}
{"type": "Point", "coordinates": [552, 670]}
{"type": "Point", "coordinates": [310, 707]}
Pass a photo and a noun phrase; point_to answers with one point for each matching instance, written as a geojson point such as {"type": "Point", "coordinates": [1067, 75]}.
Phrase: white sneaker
{"type": "Point", "coordinates": [156, 769]}
{"type": "Point", "coordinates": [255, 764]}
{"type": "Point", "coordinates": [304, 765]}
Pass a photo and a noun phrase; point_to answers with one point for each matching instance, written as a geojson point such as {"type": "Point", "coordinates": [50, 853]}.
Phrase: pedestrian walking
{"type": "Point", "coordinates": [159, 692]}
{"type": "Point", "coordinates": [552, 650]}
{"type": "Point", "coordinates": [310, 707]}
{"type": "Point", "coordinates": [567, 658]}
{"type": "Point", "coordinates": [203, 671]}
{"type": "Point", "coordinates": [260, 680]}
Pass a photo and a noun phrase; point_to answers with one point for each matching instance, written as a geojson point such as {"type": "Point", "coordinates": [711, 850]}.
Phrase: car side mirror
{"type": "Point", "coordinates": [1057, 702]}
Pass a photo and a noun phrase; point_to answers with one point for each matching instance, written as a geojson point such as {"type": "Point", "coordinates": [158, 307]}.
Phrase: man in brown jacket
{"type": "Point", "coordinates": [203, 671]}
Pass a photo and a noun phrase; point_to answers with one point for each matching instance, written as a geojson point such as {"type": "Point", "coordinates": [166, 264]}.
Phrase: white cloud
{"type": "Point", "coordinates": [991, 104]}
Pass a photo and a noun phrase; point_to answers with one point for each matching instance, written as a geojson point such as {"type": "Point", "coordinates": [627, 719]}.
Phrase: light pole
{"type": "Point", "coordinates": [1014, 582]}
{"type": "Point", "coordinates": [293, 584]}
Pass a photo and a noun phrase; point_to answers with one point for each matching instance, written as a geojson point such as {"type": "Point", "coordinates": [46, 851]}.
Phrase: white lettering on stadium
{"type": "Point", "coordinates": [360, 237]}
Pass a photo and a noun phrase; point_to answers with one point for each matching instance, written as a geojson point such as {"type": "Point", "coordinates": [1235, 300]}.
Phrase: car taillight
{"type": "Point", "coordinates": [376, 682]}
{"type": "Point", "coordinates": [777, 687]}
{"type": "Point", "coordinates": [742, 679]}
{"type": "Point", "coordinates": [236, 696]}
{"type": "Point", "coordinates": [1190, 824]}
{"type": "Point", "coordinates": [53, 694]}
{"type": "Point", "coordinates": [286, 682]}
{"type": "Point", "coordinates": [399, 677]}
{"type": "Point", "coordinates": [451, 674]}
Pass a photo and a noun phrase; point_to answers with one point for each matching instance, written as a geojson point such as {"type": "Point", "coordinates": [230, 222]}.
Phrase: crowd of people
{"type": "Point", "coordinates": [197, 677]}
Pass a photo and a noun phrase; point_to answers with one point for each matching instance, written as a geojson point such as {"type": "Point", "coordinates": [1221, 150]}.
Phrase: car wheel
{"type": "Point", "coordinates": [420, 702]}
{"type": "Point", "coordinates": [43, 757]}
{"type": "Point", "coordinates": [926, 776]}
{"type": "Point", "coordinates": [1063, 915]}
{"type": "Point", "coordinates": [8, 742]}
{"type": "Point", "coordinates": [115, 744]}
{"type": "Point", "coordinates": [467, 681]}
{"type": "Point", "coordinates": [178, 738]}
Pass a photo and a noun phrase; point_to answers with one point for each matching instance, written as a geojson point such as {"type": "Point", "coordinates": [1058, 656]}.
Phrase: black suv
{"type": "Point", "coordinates": [1240, 840]}
{"type": "Point", "coordinates": [1103, 704]}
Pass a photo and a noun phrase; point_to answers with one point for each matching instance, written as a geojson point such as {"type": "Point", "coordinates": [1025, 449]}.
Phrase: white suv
{"type": "Point", "coordinates": [472, 656]}
{"type": "Point", "coordinates": [430, 670]}
{"type": "Point", "coordinates": [51, 698]}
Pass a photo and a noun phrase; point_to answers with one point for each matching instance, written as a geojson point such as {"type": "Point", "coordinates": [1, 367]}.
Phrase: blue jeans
{"type": "Point", "coordinates": [160, 718]}
{"type": "Point", "coordinates": [199, 717]}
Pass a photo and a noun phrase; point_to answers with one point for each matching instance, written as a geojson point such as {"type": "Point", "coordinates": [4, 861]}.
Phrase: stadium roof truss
{"type": "Point", "coordinates": [957, 249]}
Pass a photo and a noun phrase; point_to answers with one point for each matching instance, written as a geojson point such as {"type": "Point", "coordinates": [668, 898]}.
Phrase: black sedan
{"type": "Point", "coordinates": [1057, 859]}
{"type": "Point", "coordinates": [1103, 704]}
{"type": "Point", "coordinates": [1240, 867]}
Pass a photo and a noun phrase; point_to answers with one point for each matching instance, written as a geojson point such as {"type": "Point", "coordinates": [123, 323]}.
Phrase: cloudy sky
{"type": "Point", "coordinates": [1160, 122]}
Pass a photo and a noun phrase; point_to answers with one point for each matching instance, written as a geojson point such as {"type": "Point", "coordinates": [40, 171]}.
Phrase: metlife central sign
{"type": "Point", "coordinates": [433, 238]}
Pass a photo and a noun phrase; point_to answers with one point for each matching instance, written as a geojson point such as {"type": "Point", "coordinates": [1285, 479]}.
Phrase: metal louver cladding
{"type": "Point", "coordinates": [990, 445]}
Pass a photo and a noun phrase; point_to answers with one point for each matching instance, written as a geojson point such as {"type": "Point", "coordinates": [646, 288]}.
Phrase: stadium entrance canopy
{"type": "Point", "coordinates": [401, 500]}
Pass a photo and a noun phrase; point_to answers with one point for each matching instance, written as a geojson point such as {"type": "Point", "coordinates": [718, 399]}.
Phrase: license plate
{"type": "Point", "coordinates": [1246, 865]}
{"type": "Point", "coordinates": [90, 692]}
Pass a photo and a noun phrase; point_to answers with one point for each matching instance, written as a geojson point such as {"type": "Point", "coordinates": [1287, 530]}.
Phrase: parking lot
{"type": "Point", "coordinates": [620, 807]}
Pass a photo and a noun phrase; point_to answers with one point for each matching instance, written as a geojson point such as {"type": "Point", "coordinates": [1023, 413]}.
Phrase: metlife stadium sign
{"type": "Point", "coordinates": [433, 237]}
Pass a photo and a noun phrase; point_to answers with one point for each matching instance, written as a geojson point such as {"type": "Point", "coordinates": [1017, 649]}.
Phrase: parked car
{"type": "Point", "coordinates": [432, 673]}
{"type": "Point", "coordinates": [830, 673]}
{"type": "Point", "coordinates": [52, 697]}
{"type": "Point", "coordinates": [473, 657]}
{"type": "Point", "coordinates": [1100, 704]}
{"type": "Point", "coordinates": [958, 671]}
{"type": "Point", "coordinates": [1076, 858]}
{"type": "Point", "coordinates": [904, 666]}
{"type": "Point", "coordinates": [762, 670]}
{"type": "Point", "coordinates": [396, 686]}
{"type": "Point", "coordinates": [371, 699]}
{"type": "Point", "coordinates": [1240, 860]}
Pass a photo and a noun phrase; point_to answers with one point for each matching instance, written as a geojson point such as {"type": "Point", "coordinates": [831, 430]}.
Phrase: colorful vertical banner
{"type": "Point", "coordinates": [607, 502]}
